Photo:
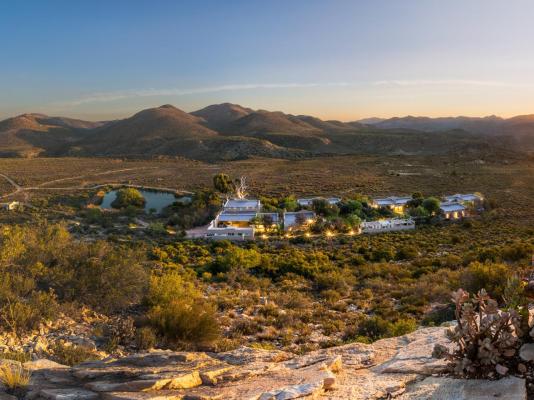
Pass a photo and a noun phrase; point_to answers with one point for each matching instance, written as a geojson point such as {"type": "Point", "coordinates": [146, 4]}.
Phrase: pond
{"type": "Point", "coordinates": [153, 200]}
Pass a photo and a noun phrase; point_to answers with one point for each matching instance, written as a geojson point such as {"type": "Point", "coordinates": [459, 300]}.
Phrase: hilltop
{"type": "Point", "coordinates": [230, 131]}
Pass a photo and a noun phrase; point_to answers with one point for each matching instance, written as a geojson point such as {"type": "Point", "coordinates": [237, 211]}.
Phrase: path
{"type": "Point", "coordinates": [42, 186]}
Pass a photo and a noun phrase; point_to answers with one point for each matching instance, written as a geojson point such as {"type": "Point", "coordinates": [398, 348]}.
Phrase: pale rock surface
{"type": "Point", "coordinates": [434, 388]}
{"type": "Point", "coordinates": [398, 368]}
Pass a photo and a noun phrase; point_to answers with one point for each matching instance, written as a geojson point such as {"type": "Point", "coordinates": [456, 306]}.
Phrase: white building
{"type": "Point", "coordinates": [469, 199]}
{"type": "Point", "coordinates": [242, 205]}
{"type": "Point", "coordinates": [396, 203]}
{"type": "Point", "coordinates": [387, 225]}
{"type": "Point", "coordinates": [453, 210]}
{"type": "Point", "coordinates": [308, 201]}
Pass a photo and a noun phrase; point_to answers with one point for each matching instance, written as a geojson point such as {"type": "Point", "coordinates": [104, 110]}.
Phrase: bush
{"type": "Point", "coordinates": [182, 322]}
{"type": "Point", "coordinates": [145, 338]}
{"type": "Point", "coordinates": [71, 355]}
{"type": "Point", "coordinates": [488, 276]}
{"type": "Point", "coordinates": [128, 197]}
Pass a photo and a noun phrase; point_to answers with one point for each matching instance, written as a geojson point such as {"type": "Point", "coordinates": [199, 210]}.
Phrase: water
{"type": "Point", "coordinates": [153, 200]}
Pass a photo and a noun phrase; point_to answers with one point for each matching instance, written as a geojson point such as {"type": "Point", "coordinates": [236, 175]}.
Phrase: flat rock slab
{"type": "Point", "coordinates": [415, 356]}
{"type": "Point", "coordinates": [433, 388]}
{"type": "Point", "coordinates": [43, 363]}
{"type": "Point", "coordinates": [68, 394]}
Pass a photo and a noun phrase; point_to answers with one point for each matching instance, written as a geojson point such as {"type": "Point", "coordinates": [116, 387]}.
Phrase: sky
{"type": "Point", "coordinates": [334, 59]}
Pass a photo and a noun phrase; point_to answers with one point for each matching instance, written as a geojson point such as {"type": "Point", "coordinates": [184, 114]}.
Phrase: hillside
{"type": "Point", "coordinates": [219, 116]}
{"type": "Point", "coordinates": [30, 135]}
{"type": "Point", "coordinates": [230, 131]}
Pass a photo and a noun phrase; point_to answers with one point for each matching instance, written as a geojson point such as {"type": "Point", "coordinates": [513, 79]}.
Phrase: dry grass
{"type": "Point", "coordinates": [14, 376]}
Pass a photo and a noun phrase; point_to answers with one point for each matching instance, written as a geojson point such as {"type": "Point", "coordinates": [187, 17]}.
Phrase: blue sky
{"type": "Point", "coordinates": [342, 59]}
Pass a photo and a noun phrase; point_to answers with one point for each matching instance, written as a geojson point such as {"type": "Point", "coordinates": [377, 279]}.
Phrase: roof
{"type": "Point", "coordinates": [393, 200]}
{"type": "Point", "coordinates": [463, 197]}
{"type": "Point", "coordinates": [242, 203]}
{"type": "Point", "coordinates": [451, 207]}
{"type": "Point", "coordinates": [228, 216]}
{"type": "Point", "coordinates": [307, 200]}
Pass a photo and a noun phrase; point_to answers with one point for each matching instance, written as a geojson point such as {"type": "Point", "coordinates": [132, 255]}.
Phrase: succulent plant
{"type": "Point", "coordinates": [485, 335]}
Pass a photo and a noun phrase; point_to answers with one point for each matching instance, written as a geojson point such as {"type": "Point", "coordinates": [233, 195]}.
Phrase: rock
{"type": "Point", "coordinates": [293, 392]}
{"type": "Point", "coordinates": [82, 342]}
{"type": "Point", "coordinates": [5, 396]}
{"type": "Point", "coordinates": [501, 369]}
{"type": "Point", "coordinates": [210, 377]}
{"type": "Point", "coordinates": [510, 388]}
{"type": "Point", "coordinates": [246, 355]}
{"type": "Point", "coordinates": [522, 368]}
{"type": "Point", "coordinates": [417, 355]}
{"type": "Point", "coordinates": [43, 363]}
{"type": "Point", "coordinates": [182, 381]}
{"type": "Point", "coordinates": [526, 352]}
{"type": "Point", "coordinates": [68, 394]}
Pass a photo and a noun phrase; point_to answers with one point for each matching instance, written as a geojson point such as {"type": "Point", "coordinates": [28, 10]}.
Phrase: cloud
{"type": "Point", "coordinates": [442, 82]}
{"type": "Point", "coordinates": [103, 97]}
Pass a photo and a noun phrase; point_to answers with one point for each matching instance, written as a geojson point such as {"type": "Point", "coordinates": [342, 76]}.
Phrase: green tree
{"type": "Point", "coordinates": [431, 204]}
{"type": "Point", "coordinates": [223, 183]}
{"type": "Point", "coordinates": [128, 197]}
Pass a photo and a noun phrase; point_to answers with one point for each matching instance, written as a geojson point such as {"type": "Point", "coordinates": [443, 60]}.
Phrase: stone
{"type": "Point", "coordinates": [522, 368]}
{"type": "Point", "coordinates": [417, 356]}
{"type": "Point", "coordinates": [526, 352]}
{"type": "Point", "coordinates": [293, 392]}
{"type": "Point", "coordinates": [68, 394]}
{"type": "Point", "coordinates": [5, 396]}
{"type": "Point", "coordinates": [210, 376]}
{"type": "Point", "coordinates": [246, 355]}
{"type": "Point", "coordinates": [501, 369]}
{"type": "Point", "coordinates": [43, 363]}
{"type": "Point", "coordinates": [510, 388]}
{"type": "Point", "coordinates": [182, 381]}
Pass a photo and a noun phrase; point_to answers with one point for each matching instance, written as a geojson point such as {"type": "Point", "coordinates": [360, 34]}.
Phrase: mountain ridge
{"type": "Point", "coordinates": [230, 131]}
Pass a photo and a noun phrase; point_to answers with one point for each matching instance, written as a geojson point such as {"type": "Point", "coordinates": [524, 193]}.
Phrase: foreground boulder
{"type": "Point", "coordinates": [401, 367]}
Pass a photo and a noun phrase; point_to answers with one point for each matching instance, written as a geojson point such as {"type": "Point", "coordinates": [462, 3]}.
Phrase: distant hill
{"type": "Point", "coordinates": [230, 131]}
{"type": "Point", "coordinates": [32, 135]}
{"type": "Point", "coordinates": [219, 116]}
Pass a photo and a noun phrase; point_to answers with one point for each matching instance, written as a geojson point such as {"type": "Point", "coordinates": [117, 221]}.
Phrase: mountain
{"type": "Point", "coordinates": [370, 121]}
{"type": "Point", "coordinates": [168, 131]}
{"type": "Point", "coordinates": [485, 125]}
{"type": "Point", "coordinates": [219, 116]}
{"type": "Point", "coordinates": [31, 135]}
{"type": "Point", "coordinates": [229, 131]}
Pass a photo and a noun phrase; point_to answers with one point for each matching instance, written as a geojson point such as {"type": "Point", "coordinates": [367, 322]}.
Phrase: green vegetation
{"type": "Point", "coordinates": [128, 197]}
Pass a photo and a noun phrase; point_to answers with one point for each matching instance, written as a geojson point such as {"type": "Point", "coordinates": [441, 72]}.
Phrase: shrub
{"type": "Point", "coordinates": [128, 197]}
{"type": "Point", "coordinates": [485, 336]}
{"type": "Point", "coordinates": [71, 355]}
{"type": "Point", "coordinates": [14, 376]}
{"type": "Point", "coordinates": [488, 276]}
{"type": "Point", "coordinates": [183, 322]}
{"type": "Point", "coordinates": [19, 356]}
{"type": "Point", "coordinates": [145, 338]}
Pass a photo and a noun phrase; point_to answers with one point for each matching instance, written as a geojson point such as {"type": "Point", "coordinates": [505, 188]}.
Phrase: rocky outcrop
{"type": "Point", "coordinates": [400, 368]}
